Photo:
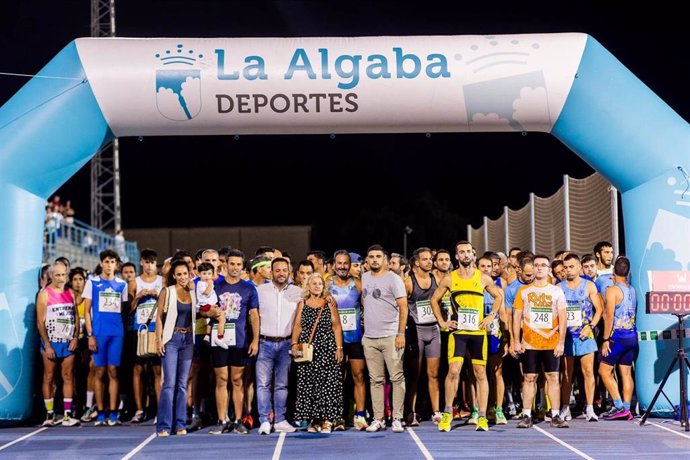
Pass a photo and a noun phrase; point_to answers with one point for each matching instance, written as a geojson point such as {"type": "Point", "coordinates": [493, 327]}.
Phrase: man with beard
{"type": "Point", "coordinates": [423, 337]}
{"type": "Point", "coordinates": [385, 304]}
{"type": "Point", "coordinates": [469, 325]}
{"type": "Point", "coordinates": [346, 290]}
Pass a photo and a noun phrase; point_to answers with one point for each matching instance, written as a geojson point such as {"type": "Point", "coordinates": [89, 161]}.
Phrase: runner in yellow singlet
{"type": "Point", "coordinates": [466, 286]}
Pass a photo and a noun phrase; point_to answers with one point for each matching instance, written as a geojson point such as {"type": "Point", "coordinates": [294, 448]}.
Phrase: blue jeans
{"type": "Point", "coordinates": [176, 364]}
{"type": "Point", "coordinates": [273, 361]}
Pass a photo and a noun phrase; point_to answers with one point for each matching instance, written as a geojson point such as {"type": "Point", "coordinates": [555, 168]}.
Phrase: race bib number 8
{"type": "Point", "coordinates": [541, 318]}
{"type": "Point", "coordinates": [228, 337]}
{"type": "Point", "coordinates": [425, 314]}
{"type": "Point", "coordinates": [574, 316]}
{"type": "Point", "coordinates": [468, 320]}
{"type": "Point", "coordinates": [348, 318]}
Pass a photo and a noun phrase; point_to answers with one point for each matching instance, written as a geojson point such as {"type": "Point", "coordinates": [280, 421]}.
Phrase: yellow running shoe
{"type": "Point", "coordinates": [482, 424]}
{"type": "Point", "coordinates": [444, 425]}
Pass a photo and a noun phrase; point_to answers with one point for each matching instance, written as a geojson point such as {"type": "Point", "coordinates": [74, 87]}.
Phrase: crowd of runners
{"type": "Point", "coordinates": [216, 341]}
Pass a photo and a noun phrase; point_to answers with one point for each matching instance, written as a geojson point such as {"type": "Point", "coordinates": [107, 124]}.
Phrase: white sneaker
{"type": "Point", "coordinates": [591, 417]}
{"type": "Point", "coordinates": [376, 425]}
{"type": "Point", "coordinates": [565, 414]}
{"type": "Point", "coordinates": [397, 426]}
{"type": "Point", "coordinates": [436, 418]}
{"type": "Point", "coordinates": [284, 427]}
{"type": "Point", "coordinates": [265, 428]}
{"type": "Point", "coordinates": [360, 423]}
{"type": "Point", "coordinates": [68, 420]}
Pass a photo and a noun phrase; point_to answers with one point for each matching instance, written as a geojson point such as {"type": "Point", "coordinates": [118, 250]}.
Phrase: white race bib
{"type": "Point", "coordinates": [425, 315]}
{"type": "Point", "coordinates": [228, 337]}
{"type": "Point", "coordinates": [495, 327]}
{"type": "Point", "coordinates": [348, 319]}
{"type": "Point", "coordinates": [541, 318]}
{"type": "Point", "coordinates": [468, 320]}
{"type": "Point", "coordinates": [109, 302]}
{"type": "Point", "coordinates": [144, 312]}
{"type": "Point", "coordinates": [574, 316]}
{"type": "Point", "coordinates": [64, 329]}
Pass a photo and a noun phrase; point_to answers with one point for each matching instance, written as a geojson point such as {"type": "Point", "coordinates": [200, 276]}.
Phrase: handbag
{"type": "Point", "coordinates": [305, 350]}
{"type": "Point", "coordinates": [146, 340]}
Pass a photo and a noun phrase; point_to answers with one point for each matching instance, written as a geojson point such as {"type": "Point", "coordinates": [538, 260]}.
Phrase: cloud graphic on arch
{"type": "Point", "coordinates": [531, 110]}
{"type": "Point", "coordinates": [169, 104]}
{"type": "Point", "coordinates": [490, 122]}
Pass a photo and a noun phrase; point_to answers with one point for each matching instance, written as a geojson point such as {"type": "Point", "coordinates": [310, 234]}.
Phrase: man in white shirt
{"type": "Point", "coordinates": [277, 305]}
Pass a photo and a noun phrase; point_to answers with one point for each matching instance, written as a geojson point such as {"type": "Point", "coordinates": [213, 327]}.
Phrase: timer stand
{"type": "Point", "coordinates": [682, 359]}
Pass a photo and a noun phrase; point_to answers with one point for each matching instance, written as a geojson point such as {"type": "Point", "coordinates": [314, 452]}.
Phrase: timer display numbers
{"type": "Point", "coordinates": [668, 302]}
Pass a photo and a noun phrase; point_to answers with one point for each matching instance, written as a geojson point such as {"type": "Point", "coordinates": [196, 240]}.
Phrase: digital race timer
{"type": "Point", "coordinates": [668, 302]}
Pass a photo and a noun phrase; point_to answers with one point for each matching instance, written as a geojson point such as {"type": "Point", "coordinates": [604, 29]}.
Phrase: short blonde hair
{"type": "Point", "coordinates": [305, 286]}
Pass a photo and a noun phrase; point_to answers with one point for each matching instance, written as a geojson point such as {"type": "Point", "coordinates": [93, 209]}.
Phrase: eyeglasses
{"type": "Point", "coordinates": [542, 265]}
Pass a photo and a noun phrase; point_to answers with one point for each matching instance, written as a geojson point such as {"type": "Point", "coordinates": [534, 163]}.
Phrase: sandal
{"type": "Point", "coordinates": [314, 427]}
{"type": "Point", "coordinates": [339, 425]}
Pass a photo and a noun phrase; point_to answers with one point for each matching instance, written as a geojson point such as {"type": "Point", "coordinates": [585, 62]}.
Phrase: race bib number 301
{"type": "Point", "coordinates": [425, 314]}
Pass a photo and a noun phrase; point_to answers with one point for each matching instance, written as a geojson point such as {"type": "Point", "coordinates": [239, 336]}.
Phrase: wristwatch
{"type": "Point", "coordinates": [89, 334]}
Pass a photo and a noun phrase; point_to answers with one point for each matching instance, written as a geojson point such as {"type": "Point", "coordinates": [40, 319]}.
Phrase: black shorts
{"type": "Point", "coordinates": [533, 358]}
{"type": "Point", "coordinates": [475, 344]}
{"type": "Point", "coordinates": [353, 350]}
{"type": "Point", "coordinates": [237, 357]}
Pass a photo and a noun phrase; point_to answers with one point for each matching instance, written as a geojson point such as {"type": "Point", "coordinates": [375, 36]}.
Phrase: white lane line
{"type": "Point", "coordinates": [26, 436]}
{"type": "Point", "coordinates": [422, 447]}
{"type": "Point", "coordinates": [563, 443]}
{"type": "Point", "coordinates": [139, 447]}
{"type": "Point", "coordinates": [279, 446]}
{"type": "Point", "coordinates": [668, 429]}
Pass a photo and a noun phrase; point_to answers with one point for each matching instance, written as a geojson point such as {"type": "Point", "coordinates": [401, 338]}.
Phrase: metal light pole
{"type": "Point", "coordinates": [407, 231]}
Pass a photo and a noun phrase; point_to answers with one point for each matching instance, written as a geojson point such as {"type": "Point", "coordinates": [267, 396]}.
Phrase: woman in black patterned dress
{"type": "Point", "coordinates": [319, 382]}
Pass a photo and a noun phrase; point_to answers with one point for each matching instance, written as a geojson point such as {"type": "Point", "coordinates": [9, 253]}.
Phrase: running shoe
{"type": "Point", "coordinates": [68, 420]}
{"type": "Point", "coordinates": [248, 421]}
{"type": "Point", "coordinates": [265, 428]}
{"type": "Point", "coordinates": [284, 427]}
{"type": "Point", "coordinates": [566, 415]}
{"type": "Point", "coordinates": [196, 424]}
{"type": "Point", "coordinates": [558, 422]}
{"type": "Point", "coordinates": [376, 425]}
{"type": "Point", "coordinates": [113, 420]}
{"type": "Point", "coordinates": [181, 432]}
{"type": "Point", "coordinates": [618, 414]}
{"type": "Point", "coordinates": [163, 434]}
{"type": "Point", "coordinates": [397, 426]}
{"type": "Point", "coordinates": [456, 413]}
{"type": "Point", "coordinates": [444, 424]}
{"type": "Point", "coordinates": [412, 419]}
{"type": "Point", "coordinates": [473, 417]}
{"type": "Point", "coordinates": [526, 422]}
{"type": "Point", "coordinates": [138, 417]}
{"type": "Point", "coordinates": [591, 417]}
{"type": "Point", "coordinates": [491, 414]}
{"type": "Point", "coordinates": [500, 417]}
{"type": "Point", "coordinates": [482, 424]}
{"type": "Point", "coordinates": [100, 419]}
{"type": "Point", "coordinates": [512, 409]}
{"type": "Point", "coordinates": [360, 423]}
{"type": "Point", "coordinates": [89, 414]}
{"type": "Point", "coordinates": [51, 419]}
{"type": "Point", "coordinates": [436, 418]}
{"type": "Point", "coordinates": [239, 428]}
{"type": "Point", "coordinates": [219, 428]}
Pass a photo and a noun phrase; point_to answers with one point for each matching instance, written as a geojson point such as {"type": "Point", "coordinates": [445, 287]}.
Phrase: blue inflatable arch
{"type": "Point", "coordinates": [565, 84]}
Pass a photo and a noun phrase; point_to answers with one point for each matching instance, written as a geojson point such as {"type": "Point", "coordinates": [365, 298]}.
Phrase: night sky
{"type": "Point", "coordinates": [434, 184]}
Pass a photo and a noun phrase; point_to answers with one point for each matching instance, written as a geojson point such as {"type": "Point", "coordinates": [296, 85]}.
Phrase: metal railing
{"type": "Point", "coordinates": [81, 244]}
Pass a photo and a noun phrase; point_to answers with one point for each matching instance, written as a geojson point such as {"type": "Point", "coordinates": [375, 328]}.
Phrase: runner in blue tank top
{"type": "Point", "coordinates": [346, 290]}
{"type": "Point", "coordinates": [620, 340]}
{"type": "Point", "coordinates": [583, 312]}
